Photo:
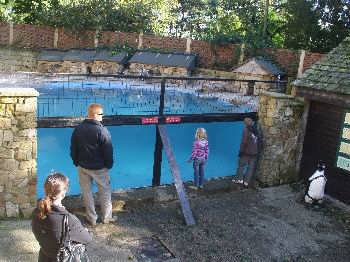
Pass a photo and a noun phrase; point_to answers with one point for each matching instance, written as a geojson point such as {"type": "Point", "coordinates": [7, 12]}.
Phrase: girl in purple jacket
{"type": "Point", "coordinates": [199, 156]}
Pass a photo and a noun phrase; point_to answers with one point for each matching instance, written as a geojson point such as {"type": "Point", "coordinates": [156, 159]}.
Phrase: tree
{"type": "Point", "coordinates": [316, 25]}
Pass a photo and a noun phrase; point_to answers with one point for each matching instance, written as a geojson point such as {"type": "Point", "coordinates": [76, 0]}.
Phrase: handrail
{"type": "Point", "coordinates": [155, 77]}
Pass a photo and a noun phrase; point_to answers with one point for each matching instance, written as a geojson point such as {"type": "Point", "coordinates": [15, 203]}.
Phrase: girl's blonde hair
{"type": "Point", "coordinates": [201, 134]}
{"type": "Point", "coordinates": [53, 187]}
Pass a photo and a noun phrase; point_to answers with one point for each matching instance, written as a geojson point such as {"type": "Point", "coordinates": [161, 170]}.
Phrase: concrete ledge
{"type": "Point", "coordinates": [18, 92]}
{"type": "Point", "coordinates": [149, 195]}
{"type": "Point", "coordinates": [276, 95]}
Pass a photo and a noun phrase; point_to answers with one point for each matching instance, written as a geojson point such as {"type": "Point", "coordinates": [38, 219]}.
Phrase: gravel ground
{"type": "Point", "coordinates": [247, 225]}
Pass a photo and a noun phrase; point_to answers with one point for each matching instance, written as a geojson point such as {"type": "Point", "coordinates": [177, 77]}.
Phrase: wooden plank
{"type": "Point", "coordinates": [324, 96]}
{"type": "Point", "coordinates": [116, 120]}
{"type": "Point", "coordinates": [185, 205]}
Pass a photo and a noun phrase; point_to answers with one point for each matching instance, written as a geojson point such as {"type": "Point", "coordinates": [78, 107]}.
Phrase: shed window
{"type": "Point", "coordinates": [343, 154]}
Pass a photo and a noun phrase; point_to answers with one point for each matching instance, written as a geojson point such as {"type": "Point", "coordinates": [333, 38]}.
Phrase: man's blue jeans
{"type": "Point", "coordinates": [198, 166]}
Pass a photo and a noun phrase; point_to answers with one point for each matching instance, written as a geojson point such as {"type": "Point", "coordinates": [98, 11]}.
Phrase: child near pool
{"type": "Point", "coordinates": [199, 156]}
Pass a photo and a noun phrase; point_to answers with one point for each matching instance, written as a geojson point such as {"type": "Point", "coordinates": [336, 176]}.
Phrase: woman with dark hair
{"type": "Point", "coordinates": [48, 219]}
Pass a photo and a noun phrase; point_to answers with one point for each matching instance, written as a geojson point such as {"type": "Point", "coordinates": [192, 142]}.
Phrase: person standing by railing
{"type": "Point", "coordinates": [199, 156]}
{"type": "Point", "coordinates": [92, 152]}
{"type": "Point", "coordinates": [248, 153]}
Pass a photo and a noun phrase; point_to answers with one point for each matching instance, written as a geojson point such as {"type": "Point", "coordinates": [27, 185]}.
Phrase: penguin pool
{"type": "Point", "coordinates": [134, 144]}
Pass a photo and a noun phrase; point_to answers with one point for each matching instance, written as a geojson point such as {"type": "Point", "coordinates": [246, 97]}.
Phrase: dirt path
{"type": "Point", "coordinates": [249, 225]}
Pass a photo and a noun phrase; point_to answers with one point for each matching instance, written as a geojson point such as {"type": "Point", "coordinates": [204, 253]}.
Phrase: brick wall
{"type": "Point", "coordinates": [287, 59]}
{"type": "Point", "coordinates": [4, 33]}
{"type": "Point", "coordinates": [310, 59]}
{"type": "Point", "coordinates": [33, 37]}
{"type": "Point", "coordinates": [38, 37]}
{"type": "Point", "coordinates": [171, 43]}
{"type": "Point", "coordinates": [68, 39]}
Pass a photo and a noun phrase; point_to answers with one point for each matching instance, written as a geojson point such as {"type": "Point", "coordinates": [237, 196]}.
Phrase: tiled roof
{"type": "Point", "coordinates": [331, 73]}
{"type": "Point", "coordinates": [105, 55]}
{"type": "Point", "coordinates": [51, 55]}
{"type": "Point", "coordinates": [260, 66]}
{"type": "Point", "coordinates": [81, 55]}
{"type": "Point", "coordinates": [165, 59]}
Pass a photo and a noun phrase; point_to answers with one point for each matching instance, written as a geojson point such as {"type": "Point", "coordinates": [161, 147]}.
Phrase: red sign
{"type": "Point", "coordinates": [172, 119]}
{"type": "Point", "coordinates": [149, 120]}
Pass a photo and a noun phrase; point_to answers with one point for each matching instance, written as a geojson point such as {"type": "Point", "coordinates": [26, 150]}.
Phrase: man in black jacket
{"type": "Point", "coordinates": [92, 152]}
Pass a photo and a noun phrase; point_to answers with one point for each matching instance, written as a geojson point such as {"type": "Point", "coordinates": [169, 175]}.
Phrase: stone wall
{"type": "Point", "coordinates": [18, 151]}
{"type": "Point", "coordinates": [280, 120]}
{"type": "Point", "coordinates": [97, 67]}
{"type": "Point", "coordinates": [13, 60]}
{"type": "Point", "coordinates": [136, 68]}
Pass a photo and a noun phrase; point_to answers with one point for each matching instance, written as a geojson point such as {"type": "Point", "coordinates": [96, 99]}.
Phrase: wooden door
{"type": "Point", "coordinates": [321, 141]}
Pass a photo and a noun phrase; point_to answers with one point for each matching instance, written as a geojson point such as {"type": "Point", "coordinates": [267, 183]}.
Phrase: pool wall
{"type": "Point", "coordinates": [279, 117]}
{"type": "Point", "coordinates": [18, 146]}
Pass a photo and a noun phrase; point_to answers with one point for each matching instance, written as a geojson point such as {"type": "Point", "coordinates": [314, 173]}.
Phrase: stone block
{"type": "Point", "coordinates": [5, 123]}
{"type": "Point", "coordinates": [8, 164]}
{"type": "Point", "coordinates": [26, 108]}
{"type": "Point", "coordinates": [28, 133]}
{"type": "Point", "coordinates": [34, 150]}
{"type": "Point", "coordinates": [27, 212]}
{"type": "Point", "coordinates": [8, 100]}
{"type": "Point", "coordinates": [23, 154]}
{"type": "Point", "coordinates": [23, 144]}
{"type": "Point", "coordinates": [12, 209]}
{"type": "Point", "coordinates": [21, 183]}
{"type": "Point", "coordinates": [19, 174]}
{"type": "Point", "coordinates": [10, 110]}
{"type": "Point", "coordinates": [7, 136]}
{"type": "Point", "coordinates": [23, 165]}
{"type": "Point", "coordinates": [6, 153]}
{"type": "Point", "coordinates": [2, 212]}
{"type": "Point", "coordinates": [2, 109]}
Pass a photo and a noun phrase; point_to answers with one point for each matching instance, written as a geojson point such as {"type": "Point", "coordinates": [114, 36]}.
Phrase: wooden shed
{"type": "Point", "coordinates": [326, 90]}
{"type": "Point", "coordinates": [257, 69]}
{"type": "Point", "coordinates": [106, 62]}
{"type": "Point", "coordinates": [78, 61]}
{"type": "Point", "coordinates": [81, 61]}
{"type": "Point", "coordinates": [50, 61]}
{"type": "Point", "coordinates": [166, 64]}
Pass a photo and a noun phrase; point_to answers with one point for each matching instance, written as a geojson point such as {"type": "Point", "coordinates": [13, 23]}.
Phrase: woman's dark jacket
{"type": "Point", "coordinates": [48, 232]}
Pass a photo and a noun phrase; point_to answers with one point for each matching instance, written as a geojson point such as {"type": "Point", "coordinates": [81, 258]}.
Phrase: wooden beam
{"type": "Point", "coordinates": [116, 120]}
{"type": "Point", "coordinates": [324, 96]}
{"type": "Point", "coordinates": [175, 171]}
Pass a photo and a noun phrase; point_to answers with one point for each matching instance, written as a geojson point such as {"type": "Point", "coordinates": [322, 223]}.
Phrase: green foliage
{"type": "Point", "coordinates": [125, 47]}
{"type": "Point", "coordinates": [316, 25]}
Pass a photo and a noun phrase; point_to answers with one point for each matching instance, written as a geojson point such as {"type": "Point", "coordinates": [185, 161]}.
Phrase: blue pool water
{"type": "Point", "coordinates": [126, 98]}
{"type": "Point", "coordinates": [134, 145]}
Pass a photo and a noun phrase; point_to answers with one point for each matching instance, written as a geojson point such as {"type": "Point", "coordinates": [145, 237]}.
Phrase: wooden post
{"type": "Point", "coordinates": [188, 45]}
{"type": "Point", "coordinates": [241, 54]}
{"type": "Point", "coordinates": [140, 40]}
{"type": "Point", "coordinates": [11, 34]}
{"type": "Point", "coordinates": [96, 38]}
{"type": "Point", "coordinates": [158, 148]}
{"type": "Point", "coordinates": [301, 63]}
{"type": "Point", "coordinates": [55, 38]}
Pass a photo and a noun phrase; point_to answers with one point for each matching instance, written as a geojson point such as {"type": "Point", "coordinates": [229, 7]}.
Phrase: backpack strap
{"type": "Point", "coordinates": [65, 231]}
